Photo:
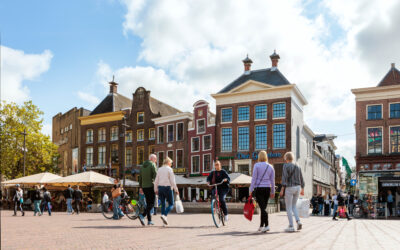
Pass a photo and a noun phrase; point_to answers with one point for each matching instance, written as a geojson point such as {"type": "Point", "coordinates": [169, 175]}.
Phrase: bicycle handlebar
{"type": "Point", "coordinates": [216, 184]}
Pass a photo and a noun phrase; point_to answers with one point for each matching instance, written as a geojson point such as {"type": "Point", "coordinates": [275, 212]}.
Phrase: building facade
{"type": "Point", "coordinates": [378, 136]}
{"type": "Point", "coordinates": [67, 136]}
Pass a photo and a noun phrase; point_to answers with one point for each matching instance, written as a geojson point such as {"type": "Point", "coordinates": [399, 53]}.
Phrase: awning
{"type": "Point", "coordinates": [36, 179]}
{"type": "Point", "coordinates": [89, 178]}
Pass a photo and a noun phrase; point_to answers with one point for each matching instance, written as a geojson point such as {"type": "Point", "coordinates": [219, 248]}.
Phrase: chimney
{"type": "Point", "coordinates": [247, 64]}
{"type": "Point", "coordinates": [393, 66]}
{"type": "Point", "coordinates": [113, 86]}
{"type": "Point", "coordinates": [274, 59]}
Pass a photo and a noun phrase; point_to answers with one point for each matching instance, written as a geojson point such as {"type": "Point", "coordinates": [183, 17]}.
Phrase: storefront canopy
{"type": "Point", "coordinates": [36, 179]}
{"type": "Point", "coordinates": [129, 183]}
{"type": "Point", "coordinates": [239, 179]}
{"type": "Point", "coordinates": [89, 178]}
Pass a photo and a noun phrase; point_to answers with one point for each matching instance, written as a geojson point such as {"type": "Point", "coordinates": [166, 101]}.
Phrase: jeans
{"type": "Point", "coordinates": [221, 196]}
{"type": "Point", "coordinates": [69, 205]}
{"type": "Point", "coordinates": [36, 204]}
{"type": "Point", "coordinates": [16, 205]}
{"type": "Point", "coordinates": [116, 209]}
{"type": "Point", "coordinates": [390, 208]}
{"type": "Point", "coordinates": [335, 207]}
{"type": "Point", "coordinates": [150, 196]}
{"type": "Point", "coordinates": [291, 196]}
{"type": "Point", "coordinates": [165, 193]}
{"type": "Point", "coordinates": [47, 205]}
{"type": "Point", "coordinates": [262, 197]}
{"type": "Point", "coordinates": [321, 208]}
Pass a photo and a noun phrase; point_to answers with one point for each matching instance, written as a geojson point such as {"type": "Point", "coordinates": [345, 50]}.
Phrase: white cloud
{"type": "Point", "coordinates": [47, 129]}
{"type": "Point", "coordinates": [90, 99]}
{"type": "Point", "coordinates": [17, 66]}
{"type": "Point", "coordinates": [346, 149]}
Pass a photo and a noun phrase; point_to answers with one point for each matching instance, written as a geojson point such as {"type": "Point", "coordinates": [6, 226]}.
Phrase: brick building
{"type": "Point", "coordinates": [260, 110]}
{"type": "Point", "coordinates": [66, 135]}
{"type": "Point", "coordinates": [378, 136]}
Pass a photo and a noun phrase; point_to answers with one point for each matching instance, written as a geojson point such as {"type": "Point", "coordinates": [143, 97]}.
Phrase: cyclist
{"type": "Point", "coordinates": [217, 176]}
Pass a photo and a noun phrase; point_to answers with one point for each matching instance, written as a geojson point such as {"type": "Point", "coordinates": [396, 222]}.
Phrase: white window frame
{"type": "Point", "coordinates": [111, 133]}
{"type": "Point", "coordinates": [277, 118]}
{"type": "Point", "coordinates": [158, 134]}
{"type": "Point", "coordinates": [183, 131]}
{"type": "Point", "coordinates": [204, 164]}
{"type": "Point", "coordinates": [266, 115]}
{"type": "Point", "coordinates": [191, 163]}
{"type": "Point", "coordinates": [237, 118]}
{"type": "Point", "coordinates": [98, 155]}
{"type": "Point", "coordinates": [191, 144]}
{"type": "Point", "coordinates": [176, 156]}
{"type": "Point", "coordinates": [383, 137]}
{"type": "Point", "coordinates": [105, 134]}
{"type": "Point", "coordinates": [237, 138]}
{"type": "Point", "coordinates": [376, 104]}
{"type": "Point", "coordinates": [137, 133]}
{"type": "Point", "coordinates": [137, 117]}
{"type": "Point", "coordinates": [272, 130]}
{"type": "Point", "coordinates": [255, 136]}
{"type": "Point", "coordinates": [205, 144]}
{"type": "Point", "coordinates": [131, 132]}
{"type": "Point", "coordinates": [87, 162]}
{"type": "Point", "coordinates": [89, 142]}
{"type": "Point", "coordinates": [197, 126]}
{"type": "Point", "coordinates": [231, 140]}
{"type": "Point", "coordinates": [390, 145]}
{"type": "Point", "coordinates": [232, 115]}
{"type": "Point", "coordinates": [155, 134]}
{"type": "Point", "coordinates": [173, 131]}
{"type": "Point", "coordinates": [390, 103]}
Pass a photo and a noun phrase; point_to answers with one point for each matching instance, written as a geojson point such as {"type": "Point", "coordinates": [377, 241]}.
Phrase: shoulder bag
{"type": "Point", "coordinates": [116, 192]}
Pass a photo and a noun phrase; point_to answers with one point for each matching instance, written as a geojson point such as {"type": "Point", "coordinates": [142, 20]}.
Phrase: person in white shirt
{"type": "Point", "coordinates": [105, 198]}
{"type": "Point", "coordinates": [163, 185]}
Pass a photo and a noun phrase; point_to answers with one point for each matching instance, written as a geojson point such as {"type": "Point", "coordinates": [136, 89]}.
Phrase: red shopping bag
{"type": "Point", "coordinates": [248, 209]}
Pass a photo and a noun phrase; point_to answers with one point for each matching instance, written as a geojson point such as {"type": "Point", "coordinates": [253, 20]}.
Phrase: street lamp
{"type": "Point", "coordinates": [124, 151]}
{"type": "Point", "coordinates": [24, 133]}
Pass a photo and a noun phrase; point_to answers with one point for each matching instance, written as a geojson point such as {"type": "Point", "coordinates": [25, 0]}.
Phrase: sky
{"type": "Point", "coordinates": [62, 54]}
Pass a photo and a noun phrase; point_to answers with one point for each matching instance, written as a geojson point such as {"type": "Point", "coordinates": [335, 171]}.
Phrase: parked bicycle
{"type": "Point", "coordinates": [216, 210]}
{"type": "Point", "coordinates": [131, 208]}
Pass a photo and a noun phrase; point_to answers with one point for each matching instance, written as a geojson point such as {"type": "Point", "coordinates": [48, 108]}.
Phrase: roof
{"type": "Point", "coordinates": [111, 103]}
{"type": "Point", "coordinates": [164, 109]}
{"type": "Point", "coordinates": [391, 78]}
{"type": "Point", "coordinates": [271, 76]}
{"type": "Point", "coordinates": [40, 178]}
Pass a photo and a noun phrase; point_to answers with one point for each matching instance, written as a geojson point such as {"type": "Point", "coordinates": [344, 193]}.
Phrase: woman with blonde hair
{"type": "Point", "coordinates": [292, 187]}
{"type": "Point", "coordinates": [263, 187]}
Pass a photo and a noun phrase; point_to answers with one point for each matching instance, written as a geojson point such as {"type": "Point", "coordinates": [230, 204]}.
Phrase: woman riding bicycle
{"type": "Point", "coordinates": [217, 176]}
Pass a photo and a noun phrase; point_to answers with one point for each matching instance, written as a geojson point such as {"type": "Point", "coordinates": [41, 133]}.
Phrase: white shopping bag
{"type": "Point", "coordinates": [178, 205]}
{"type": "Point", "coordinates": [303, 207]}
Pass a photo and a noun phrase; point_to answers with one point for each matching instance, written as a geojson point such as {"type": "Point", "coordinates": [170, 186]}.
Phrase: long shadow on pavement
{"type": "Point", "coordinates": [237, 233]}
{"type": "Point", "coordinates": [108, 227]}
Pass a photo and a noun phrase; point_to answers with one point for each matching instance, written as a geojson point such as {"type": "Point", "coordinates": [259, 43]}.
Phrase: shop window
{"type": "Point", "coordinates": [261, 112]}
{"type": "Point", "coordinates": [377, 166]}
{"type": "Point", "coordinates": [128, 136]}
{"type": "Point", "coordinates": [279, 136]}
{"type": "Point", "coordinates": [196, 164]}
{"type": "Point", "coordinates": [89, 156]}
{"type": "Point", "coordinates": [195, 144]}
{"type": "Point", "coordinates": [279, 110]}
{"type": "Point", "coordinates": [140, 155]}
{"type": "Point", "coordinates": [171, 156]}
{"type": "Point", "coordinates": [374, 112]}
{"type": "Point", "coordinates": [243, 113]}
{"type": "Point", "coordinates": [398, 166]}
{"type": "Point", "coordinates": [140, 117]}
{"type": "Point", "coordinates": [243, 138]}
{"type": "Point", "coordinates": [395, 139]}
{"type": "Point", "coordinates": [102, 135]}
{"type": "Point", "coordinates": [152, 134]}
{"type": "Point", "coordinates": [179, 158]}
{"type": "Point", "coordinates": [207, 142]}
{"type": "Point", "coordinates": [89, 136]}
{"type": "Point", "coordinates": [128, 157]}
{"type": "Point", "coordinates": [114, 133]}
{"type": "Point", "coordinates": [226, 115]}
{"type": "Point", "coordinates": [170, 132]}
{"type": "Point", "coordinates": [179, 131]}
{"type": "Point", "coordinates": [207, 163]}
{"type": "Point", "coordinates": [140, 135]}
{"type": "Point", "coordinates": [395, 110]}
{"type": "Point", "coordinates": [374, 140]}
{"type": "Point", "coordinates": [261, 137]}
{"type": "Point", "coordinates": [226, 139]}
{"type": "Point", "coordinates": [114, 153]}
{"type": "Point", "coordinates": [160, 135]}
{"type": "Point", "coordinates": [201, 126]}
{"type": "Point", "coordinates": [102, 155]}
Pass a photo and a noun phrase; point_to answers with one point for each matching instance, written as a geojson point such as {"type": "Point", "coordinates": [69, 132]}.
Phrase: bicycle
{"type": "Point", "coordinates": [130, 208]}
{"type": "Point", "coordinates": [216, 210]}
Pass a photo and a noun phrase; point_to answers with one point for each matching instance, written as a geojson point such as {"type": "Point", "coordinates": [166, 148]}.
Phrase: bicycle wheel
{"type": "Point", "coordinates": [132, 212]}
{"type": "Point", "coordinates": [216, 213]}
{"type": "Point", "coordinates": [222, 217]}
{"type": "Point", "coordinates": [107, 210]}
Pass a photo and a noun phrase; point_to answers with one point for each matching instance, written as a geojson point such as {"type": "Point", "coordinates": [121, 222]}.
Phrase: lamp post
{"type": "Point", "coordinates": [124, 151]}
{"type": "Point", "coordinates": [24, 133]}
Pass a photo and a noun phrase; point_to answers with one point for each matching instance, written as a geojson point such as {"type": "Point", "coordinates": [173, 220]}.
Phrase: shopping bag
{"type": "Point", "coordinates": [248, 209]}
{"type": "Point", "coordinates": [178, 205]}
{"type": "Point", "coordinates": [303, 207]}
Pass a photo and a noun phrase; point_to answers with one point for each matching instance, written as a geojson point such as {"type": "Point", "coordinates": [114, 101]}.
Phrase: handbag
{"type": "Point", "coordinates": [178, 205]}
{"type": "Point", "coordinates": [248, 209]}
{"type": "Point", "coordinates": [116, 192]}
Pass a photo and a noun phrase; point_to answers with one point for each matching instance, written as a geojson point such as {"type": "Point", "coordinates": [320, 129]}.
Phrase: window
{"type": "Point", "coordinates": [152, 134]}
{"type": "Point", "coordinates": [114, 133]}
{"type": "Point", "coordinates": [206, 142]}
{"type": "Point", "coordinates": [279, 136]}
{"type": "Point", "coordinates": [128, 136]}
{"type": "Point", "coordinates": [243, 138]}
{"type": "Point", "coordinates": [226, 115]}
{"type": "Point", "coordinates": [195, 144]}
{"type": "Point", "coordinates": [200, 113]}
{"type": "Point", "coordinates": [140, 155]}
{"type": "Point", "coordinates": [226, 140]}
{"type": "Point", "coordinates": [160, 158]}
{"type": "Point", "coordinates": [170, 131]}
{"type": "Point", "coordinates": [261, 137]}
{"type": "Point", "coordinates": [398, 166]}
{"type": "Point", "coordinates": [171, 156]}
{"type": "Point", "coordinates": [374, 140]}
{"type": "Point", "coordinates": [395, 139]}
{"type": "Point", "coordinates": [128, 157]}
{"type": "Point", "coordinates": [376, 166]}
{"type": "Point", "coordinates": [151, 150]}
{"type": "Point", "coordinates": [179, 131]}
{"type": "Point", "coordinates": [140, 135]}
{"type": "Point", "coordinates": [102, 155]}
{"type": "Point", "coordinates": [207, 163]}
{"type": "Point", "coordinates": [160, 135]}
{"type": "Point", "coordinates": [243, 113]}
{"type": "Point", "coordinates": [70, 126]}
{"type": "Point", "coordinates": [395, 110]}
{"type": "Point", "coordinates": [102, 135]}
{"type": "Point", "coordinates": [374, 112]}
{"type": "Point", "coordinates": [66, 129]}
{"type": "Point", "coordinates": [89, 156]}
{"type": "Point", "coordinates": [387, 166]}
{"type": "Point", "coordinates": [279, 110]}
{"type": "Point", "coordinates": [201, 126]}
{"type": "Point", "coordinates": [114, 153]}
{"type": "Point", "coordinates": [62, 131]}
{"type": "Point", "coordinates": [179, 158]}
{"type": "Point", "coordinates": [196, 164]}
{"type": "Point", "coordinates": [140, 117]}
{"type": "Point", "coordinates": [261, 112]}
{"type": "Point", "coordinates": [89, 136]}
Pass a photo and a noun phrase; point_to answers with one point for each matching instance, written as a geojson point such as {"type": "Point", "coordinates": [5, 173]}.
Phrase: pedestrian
{"type": "Point", "coordinates": [263, 187]}
{"type": "Point", "coordinates": [341, 205]}
{"type": "Point", "coordinates": [292, 188]}
{"type": "Point", "coordinates": [37, 200]}
{"type": "Point", "coordinates": [68, 194]}
{"type": "Point", "coordinates": [219, 175]}
{"type": "Point", "coordinates": [320, 204]}
{"type": "Point", "coordinates": [327, 205]}
{"type": "Point", "coordinates": [46, 201]}
{"type": "Point", "coordinates": [77, 198]}
{"type": "Point", "coordinates": [163, 186]}
{"type": "Point", "coordinates": [314, 203]}
{"type": "Point", "coordinates": [148, 173]}
{"type": "Point", "coordinates": [350, 202]}
{"type": "Point", "coordinates": [18, 200]}
{"type": "Point", "coordinates": [116, 194]}
{"type": "Point", "coordinates": [390, 201]}
{"type": "Point", "coordinates": [89, 203]}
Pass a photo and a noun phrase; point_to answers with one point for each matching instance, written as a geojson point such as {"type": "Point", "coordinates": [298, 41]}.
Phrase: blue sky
{"type": "Point", "coordinates": [61, 54]}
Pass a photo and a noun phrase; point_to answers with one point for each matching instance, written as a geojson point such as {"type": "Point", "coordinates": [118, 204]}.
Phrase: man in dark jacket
{"type": "Point", "coordinates": [77, 198]}
{"type": "Point", "coordinates": [320, 204]}
{"type": "Point", "coordinates": [219, 175]}
{"type": "Point", "coordinates": [314, 203]}
{"type": "Point", "coordinates": [68, 194]}
{"type": "Point", "coordinates": [148, 173]}
{"type": "Point", "coordinates": [37, 200]}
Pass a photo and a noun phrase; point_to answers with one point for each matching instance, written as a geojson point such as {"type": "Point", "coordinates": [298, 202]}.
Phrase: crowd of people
{"type": "Point", "coordinates": [340, 203]}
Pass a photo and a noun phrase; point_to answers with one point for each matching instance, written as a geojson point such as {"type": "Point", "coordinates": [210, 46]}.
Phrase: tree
{"type": "Point", "coordinates": [41, 153]}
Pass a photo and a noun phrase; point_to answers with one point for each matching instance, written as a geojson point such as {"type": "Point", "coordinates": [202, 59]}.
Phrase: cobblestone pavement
{"type": "Point", "coordinates": [192, 231]}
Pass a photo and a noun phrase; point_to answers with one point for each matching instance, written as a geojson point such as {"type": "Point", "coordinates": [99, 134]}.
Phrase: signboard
{"type": "Point", "coordinates": [390, 184]}
{"type": "Point", "coordinates": [254, 155]}
{"type": "Point", "coordinates": [226, 158]}
{"type": "Point", "coordinates": [179, 170]}
{"type": "Point", "coordinates": [353, 182]}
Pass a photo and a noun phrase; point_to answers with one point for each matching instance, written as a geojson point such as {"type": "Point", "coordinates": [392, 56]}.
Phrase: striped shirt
{"type": "Point", "coordinates": [292, 176]}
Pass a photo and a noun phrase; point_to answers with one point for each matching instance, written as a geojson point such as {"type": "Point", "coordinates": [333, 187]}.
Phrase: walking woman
{"type": "Point", "coordinates": [46, 201]}
{"type": "Point", "coordinates": [292, 187]}
{"type": "Point", "coordinates": [37, 200]}
{"type": "Point", "coordinates": [18, 200]}
{"type": "Point", "coordinates": [263, 187]}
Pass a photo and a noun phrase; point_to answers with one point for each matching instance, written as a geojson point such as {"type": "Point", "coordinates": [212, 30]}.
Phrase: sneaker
{"type": "Point", "coordinates": [299, 226]}
{"type": "Point", "coordinates": [164, 219]}
{"type": "Point", "coordinates": [14, 215]}
{"type": "Point", "coordinates": [289, 229]}
{"type": "Point", "coordinates": [150, 223]}
{"type": "Point", "coordinates": [259, 229]}
{"type": "Point", "coordinates": [349, 218]}
{"type": "Point", "coordinates": [334, 219]}
{"type": "Point", "coordinates": [226, 218]}
{"type": "Point", "coordinates": [23, 213]}
{"type": "Point", "coordinates": [141, 219]}
{"type": "Point", "coordinates": [265, 229]}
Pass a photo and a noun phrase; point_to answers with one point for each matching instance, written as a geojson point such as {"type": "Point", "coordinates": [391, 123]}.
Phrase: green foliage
{"type": "Point", "coordinates": [41, 153]}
